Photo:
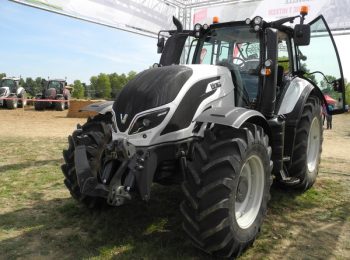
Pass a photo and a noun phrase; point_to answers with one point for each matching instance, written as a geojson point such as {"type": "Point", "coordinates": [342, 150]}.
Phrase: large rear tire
{"type": "Point", "coordinates": [227, 189]}
{"type": "Point", "coordinates": [23, 101]}
{"type": "Point", "coordinates": [95, 135]}
{"type": "Point", "coordinates": [39, 105]}
{"type": "Point", "coordinates": [67, 103]}
{"type": "Point", "coordinates": [308, 145]}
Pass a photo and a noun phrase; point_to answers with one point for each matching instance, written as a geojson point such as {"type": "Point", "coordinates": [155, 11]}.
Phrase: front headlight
{"type": "Point", "coordinates": [148, 121]}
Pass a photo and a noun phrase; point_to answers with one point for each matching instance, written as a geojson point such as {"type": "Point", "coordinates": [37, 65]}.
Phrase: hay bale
{"type": "Point", "coordinates": [76, 105]}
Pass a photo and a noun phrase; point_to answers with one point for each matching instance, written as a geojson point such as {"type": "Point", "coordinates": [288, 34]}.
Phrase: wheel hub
{"type": "Point", "coordinates": [242, 190]}
{"type": "Point", "coordinates": [249, 193]}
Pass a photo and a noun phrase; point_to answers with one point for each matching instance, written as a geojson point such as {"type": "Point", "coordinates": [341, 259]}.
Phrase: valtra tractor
{"type": "Point", "coordinates": [230, 108]}
{"type": "Point", "coordinates": [55, 95]}
{"type": "Point", "coordinates": [12, 94]}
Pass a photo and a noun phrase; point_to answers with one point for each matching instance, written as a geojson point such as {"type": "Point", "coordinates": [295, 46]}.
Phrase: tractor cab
{"type": "Point", "coordinates": [57, 84]}
{"type": "Point", "coordinates": [262, 57]}
{"type": "Point", "coordinates": [11, 83]}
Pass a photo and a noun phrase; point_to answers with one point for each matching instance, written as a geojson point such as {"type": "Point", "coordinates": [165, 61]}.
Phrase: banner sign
{"type": "Point", "coordinates": [336, 12]}
{"type": "Point", "coordinates": [147, 17]}
{"type": "Point", "coordinates": [138, 16]}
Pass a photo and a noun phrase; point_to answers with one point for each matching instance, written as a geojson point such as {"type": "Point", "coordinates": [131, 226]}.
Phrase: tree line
{"type": "Point", "coordinates": [108, 86]}
{"type": "Point", "coordinates": [104, 85]}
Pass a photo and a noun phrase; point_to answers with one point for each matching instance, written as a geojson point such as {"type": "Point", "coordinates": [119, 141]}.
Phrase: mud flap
{"type": "Point", "coordinates": [87, 182]}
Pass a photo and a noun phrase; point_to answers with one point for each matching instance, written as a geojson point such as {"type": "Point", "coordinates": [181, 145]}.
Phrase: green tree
{"type": "Point", "coordinates": [92, 87]}
{"type": "Point", "coordinates": [30, 86]}
{"type": "Point", "coordinates": [347, 93]}
{"type": "Point", "coordinates": [38, 85]}
{"type": "Point", "coordinates": [2, 75]}
{"type": "Point", "coordinates": [116, 85]}
{"type": "Point", "coordinates": [325, 86]}
{"type": "Point", "coordinates": [132, 74]}
{"type": "Point", "coordinates": [22, 82]}
{"type": "Point", "coordinates": [312, 77]}
{"type": "Point", "coordinates": [78, 89]}
{"type": "Point", "coordinates": [103, 87]}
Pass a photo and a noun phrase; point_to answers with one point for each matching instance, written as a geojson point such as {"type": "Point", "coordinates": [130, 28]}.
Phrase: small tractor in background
{"type": "Point", "coordinates": [56, 94]}
{"type": "Point", "coordinates": [12, 94]}
{"type": "Point", "coordinates": [242, 109]}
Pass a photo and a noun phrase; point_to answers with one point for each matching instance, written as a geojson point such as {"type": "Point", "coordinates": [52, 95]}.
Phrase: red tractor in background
{"type": "Point", "coordinates": [56, 94]}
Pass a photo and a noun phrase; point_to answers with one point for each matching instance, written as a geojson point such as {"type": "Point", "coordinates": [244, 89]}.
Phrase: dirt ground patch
{"type": "Point", "coordinates": [39, 219]}
{"type": "Point", "coordinates": [30, 123]}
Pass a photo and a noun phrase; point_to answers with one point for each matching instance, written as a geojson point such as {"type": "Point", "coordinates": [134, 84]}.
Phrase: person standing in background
{"type": "Point", "coordinates": [329, 117]}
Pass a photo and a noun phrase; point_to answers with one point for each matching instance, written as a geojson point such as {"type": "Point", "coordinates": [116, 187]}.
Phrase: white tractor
{"type": "Point", "coordinates": [12, 94]}
{"type": "Point", "coordinates": [239, 110]}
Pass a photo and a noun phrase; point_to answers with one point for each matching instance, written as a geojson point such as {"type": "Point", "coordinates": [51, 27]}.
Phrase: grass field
{"type": "Point", "coordinates": [39, 219]}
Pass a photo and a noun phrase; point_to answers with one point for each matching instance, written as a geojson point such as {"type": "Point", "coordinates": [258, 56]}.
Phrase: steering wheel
{"type": "Point", "coordinates": [241, 64]}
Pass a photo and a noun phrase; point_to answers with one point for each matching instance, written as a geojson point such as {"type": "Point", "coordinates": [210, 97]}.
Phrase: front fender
{"type": "Point", "coordinates": [233, 117]}
{"type": "Point", "coordinates": [100, 107]}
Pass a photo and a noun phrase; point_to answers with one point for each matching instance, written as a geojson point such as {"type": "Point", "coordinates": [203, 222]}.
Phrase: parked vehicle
{"type": "Point", "coordinates": [55, 95]}
{"type": "Point", "coordinates": [239, 111]}
{"type": "Point", "coordinates": [12, 94]}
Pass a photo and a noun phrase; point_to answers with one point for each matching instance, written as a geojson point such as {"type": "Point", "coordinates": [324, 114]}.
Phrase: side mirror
{"type": "Point", "coordinates": [302, 34]}
{"type": "Point", "coordinates": [160, 45]}
{"type": "Point", "coordinates": [338, 86]}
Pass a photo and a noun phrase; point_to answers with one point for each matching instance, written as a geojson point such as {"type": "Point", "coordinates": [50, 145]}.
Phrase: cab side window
{"type": "Point", "coordinates": [284, 59]}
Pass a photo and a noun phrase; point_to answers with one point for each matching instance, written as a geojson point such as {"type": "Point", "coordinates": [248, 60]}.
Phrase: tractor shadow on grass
{"type": "Point", "coordinates": [63, 228]}
{"type": "Point", "coordinates": [307, 225]}
{"type": "Point", "coordinates": [296, 227]}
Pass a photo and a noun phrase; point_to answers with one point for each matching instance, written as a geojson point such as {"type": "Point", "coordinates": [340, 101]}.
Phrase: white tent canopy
{"type": "Point", "coordinates": [147, 17]}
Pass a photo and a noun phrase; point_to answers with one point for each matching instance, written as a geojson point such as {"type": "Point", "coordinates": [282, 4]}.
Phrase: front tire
{"type": "Point", "coordinates": [308, 145]}
{"type": "Point", "coordinates": [12, 104]}
{"type": "Point", "coordinates": [95, 135]}
{"type": "Point", "coordinates": [60, 105]}
{"type": "Point", "coordinates": [227, 189]}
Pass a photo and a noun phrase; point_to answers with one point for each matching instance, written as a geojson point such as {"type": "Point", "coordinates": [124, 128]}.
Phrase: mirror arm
{"type": "Point", "coordinates": [324, 76]}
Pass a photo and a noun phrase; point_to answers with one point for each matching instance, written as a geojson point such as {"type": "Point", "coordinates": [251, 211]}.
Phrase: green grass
{"type": "Point", "coordinates": [38, 218]}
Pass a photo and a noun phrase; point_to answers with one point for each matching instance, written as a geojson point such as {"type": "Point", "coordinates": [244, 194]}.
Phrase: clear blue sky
{"type": "Point", "coordinates": [36, 43]}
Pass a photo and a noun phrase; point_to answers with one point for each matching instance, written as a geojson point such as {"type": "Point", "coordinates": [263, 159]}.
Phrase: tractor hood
{"type": "Point", "coordinates": [50, 93]}
{"type": "Point", "coordinates": [149, 89]}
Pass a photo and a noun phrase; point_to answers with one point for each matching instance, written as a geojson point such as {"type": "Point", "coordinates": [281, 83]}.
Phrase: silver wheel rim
{"type": "Point", "coordinates": [249, 192]}
{"type": "Point", "coordinates": [313, 144]}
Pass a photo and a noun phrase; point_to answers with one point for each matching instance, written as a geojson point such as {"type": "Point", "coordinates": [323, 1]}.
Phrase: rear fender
{"type": "Point", "coordinates": [292, 105]}
{"type": "Point", "coordinates": [100, 107]}
{"type": "Point", "coordinates": [294, 98]}
{"type": "Point", "coordinates": [234, 117]}
{"type": "Point", "coordinates": [19, 91]}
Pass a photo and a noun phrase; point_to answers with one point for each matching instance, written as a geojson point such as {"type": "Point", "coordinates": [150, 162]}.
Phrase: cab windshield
{"type": "Point", "coordinates": [236, 47]}
{"type": "Point", "coordinates": [56, 85]}
{"type": "Point", "coordinates": [11, 84]}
